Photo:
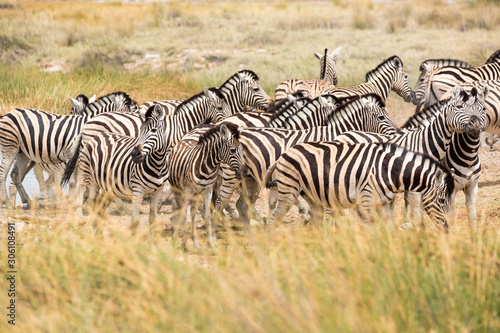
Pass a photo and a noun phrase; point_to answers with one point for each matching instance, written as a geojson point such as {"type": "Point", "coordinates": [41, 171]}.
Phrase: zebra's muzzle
{"type": "Point", "coordinates": [137, 154]}
{"type": "Point", "coordinates": [474, 127]}
{"type": "Point", "coordinates": [241, 172]}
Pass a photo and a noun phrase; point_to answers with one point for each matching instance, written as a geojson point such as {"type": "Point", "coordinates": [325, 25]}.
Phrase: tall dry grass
{"type": "Point", "coordinates": [349, 277]}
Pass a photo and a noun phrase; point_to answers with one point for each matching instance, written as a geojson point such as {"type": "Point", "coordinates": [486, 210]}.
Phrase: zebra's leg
{"type": "Point", "coordinates": [42, 183]}
{"type": "Point", "coordinates": [193, 207]}
{"type": "Point", "coordinates": [178, 217]}
{"type": "Point", "coordinates": [317, 213]}
{"type": "Point", "coordinates": [21, 168]}
{"type": "Point", "coordinates": [470, 191]}
{"type": "Point", "coordinates": [249, 194]}
{"type": "Point", "coordinates": [286, 198]}
{"type": "Point", "coordinates": [12, 186]}
{"type": "Point", "coordinates": [207, 199]}
{"type": "Point", "coordinates": [166, 194]}
{"type": "Point", "coordinates": [7, 158]}
{"type": "Point", "coordinates": [137, 198]}
{"type": "Point", "coordinates": [413, 202]}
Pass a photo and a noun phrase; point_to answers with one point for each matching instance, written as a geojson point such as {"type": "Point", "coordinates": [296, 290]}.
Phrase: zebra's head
{"type": "Point", "coordinates": [423, 87]}
{"type": "Point", "coordinates": [376, 117]}
{"type": "Point", "coordinates": [466, 112]}
{"type": "Point", "coordinates": [151, 134]}
{"type": "Point", "coordinates": [231, 152]}
{"type": "Point", "coordinates": [251, 93]}
{"type": "Point", "coordinates": [218, 108]}
{"type": "Point", "coordinates": [436, 199]}
{"type": "Point", "coordinates": [328, 67]}
{"type": "Point", "coordinates": [80, 103]}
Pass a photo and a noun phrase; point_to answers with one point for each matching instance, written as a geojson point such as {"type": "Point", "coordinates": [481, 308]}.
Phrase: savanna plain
{"type": "Point", "coordinates": [346, 276]}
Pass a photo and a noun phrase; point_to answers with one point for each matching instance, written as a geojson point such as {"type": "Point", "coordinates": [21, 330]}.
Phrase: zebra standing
{"type": "Point", "coordinates": [387, 76]}
{"type": "Point", "coordinates": [126, 167]}
{"type": "Point", "coordinates": [328, 78]}
{"type": "Point", "coordinates": [434, 82]}
{"type": "Point", "coordinates": [335, 174]}
{"type": "Point", "coordinates": [461, 157]}
{"type": "Point", "coordinates": [28, 135]}
{"type": "Point", "coordinates": [462, 112]}
{"type": "Point", "coordinates": [262, 146]}
{"type": "Point", "coordinates": [193, 167]}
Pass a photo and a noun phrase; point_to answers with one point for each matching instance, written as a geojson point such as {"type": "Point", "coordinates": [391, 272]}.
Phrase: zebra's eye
{"type": "Point", "coordinates": [255, 89]}
{"type": "Point", "coordinates": [232, 151]}
{"type": "Point", "coordinates": [153, 130]}
{"type": "Point", "coordinates": [380, 117]}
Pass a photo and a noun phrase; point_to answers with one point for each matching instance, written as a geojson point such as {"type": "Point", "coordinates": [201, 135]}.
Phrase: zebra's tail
{"type": "Point", "coordinates": [73, 161]}
{"type": "Point", "coordinates": [270, 172]}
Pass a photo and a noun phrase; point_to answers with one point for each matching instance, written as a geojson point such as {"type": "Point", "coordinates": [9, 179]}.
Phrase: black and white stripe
{"type": "Point", "coordinates": [262, 146]}
{"type": "Point", "coordinates": [243, 92]}
{"type": "Point", "coordinates": [340, 175]}
{"type": "Point", "coordinates": [386, 77]}
{"type": "Point", "coordinates": [327, 80]}
{"type": "Point", "coordinates": [28, 135]}
{"type": "Point", "coordinates": [434, 83]}
{"type": "Point", "coordinates": [193, 167]}
{"type": "Point", "coordinates": [461, 157]}
{"type": "Point", "coordinates": [119, 166]}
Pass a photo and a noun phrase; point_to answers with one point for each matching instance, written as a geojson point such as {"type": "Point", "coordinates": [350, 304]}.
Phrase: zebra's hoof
{"type": "Point", "coordinates": [26, 206]}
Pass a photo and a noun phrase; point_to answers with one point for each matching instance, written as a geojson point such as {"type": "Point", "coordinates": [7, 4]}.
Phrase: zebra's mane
{"type": "Point", "coordinates": [82, 99]}
{"type": "Point", "coordinates": [495, 57]}
{"type": "Point", "coordinates": [233, 77]}
{"type": "Point", "coordinates": [427, 114]}
{"type": "Point", "coordinates": [215, 129]}
{"type": "Point", "coordinates": [436, 63]}
{"type": "Point", "coordinates": [411, 155]}
{"type": "Point", "coordinates": [283, 107]}
{"type": "Point", "coordinates": [111, 98]}
{"type": "Point", "coordinates": [323, 65]}
{"type": "Point", "coordinates": [183, 106]}
{"type": "Point", "coordinates": [353, 105]}
{"type": "Point", "coordinates": [375, 72]}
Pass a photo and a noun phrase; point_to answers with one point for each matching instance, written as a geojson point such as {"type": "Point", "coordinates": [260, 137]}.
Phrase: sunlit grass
{"type": "Point", "coordinates": [344, 278]}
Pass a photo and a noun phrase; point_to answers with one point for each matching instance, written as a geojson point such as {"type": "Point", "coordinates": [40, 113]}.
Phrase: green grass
{"type": "Point", "coordinates": [350, 278]}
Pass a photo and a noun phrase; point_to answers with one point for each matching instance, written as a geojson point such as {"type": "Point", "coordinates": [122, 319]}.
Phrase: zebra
{"type": "Point", "coordinates": [29, 135]}
{"type": "Point", "coordinates": [317, 112]}
{"type": "Point", "coordinates": [193, 167]}
{"type": "Point", "coordinates": [208, 104]}
{"type": "Point", "coordinates": [328, 78]}
{"type": "Point", "coordinates": [462, 112]}
{"type": "Point", "coordinates": [387, 76]}
{"type": "Point", "coordinates": [434, 82]}
{"type": "Point", "coordinates": [320, 106]}
{"type": "Point", "coordinates": [243, 92]}
{"type": "Point", "coordinates": [461, 158]}
{"type": "Point", "coordinates": [262, 146]}
{"type": "Point", "coordinates": [341, 175]}
{"type": "Point", "coordinates": [78, 105]}
{"type": "Point", "coordinates": [125, 167]}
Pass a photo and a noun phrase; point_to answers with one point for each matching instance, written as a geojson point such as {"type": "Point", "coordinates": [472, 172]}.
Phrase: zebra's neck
{"type": "Point", "coordinates": [232, 94]}
{"type": "Point", "coordinates": [432, 140]}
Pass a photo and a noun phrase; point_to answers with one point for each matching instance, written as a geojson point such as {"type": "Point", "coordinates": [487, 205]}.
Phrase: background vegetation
{"type": "Point", "coordinates": [344, 277]}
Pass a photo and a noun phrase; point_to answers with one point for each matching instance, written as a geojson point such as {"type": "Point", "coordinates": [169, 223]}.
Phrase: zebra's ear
{"type": "Point", "coordinates": [318, 55]}
{"type": "Point", "coordinates": [323, 101]}
{"type": "Point", "coordinates": [291, 98]}
{"type": "Point", "coordinates": [157, 112]}
{"type": "Point", "coordinates": [484, 92]}
{"type": "Point", "coordinates": [335, 54]}
{"type": "Point", "coordinates": [397, 62]}
{"type": "Point", "coordinates": [208, 93]}
{"type": "Point", "coordinates": [226, 133]}
{"type": "Point", "coordinates": [76, 103]}
{"type": "Point", "coordinates": [92, 99]}
{"type": "Point", "coordinates": [439, 176]}
{"type": "Point", "coordinates": [457, 91]}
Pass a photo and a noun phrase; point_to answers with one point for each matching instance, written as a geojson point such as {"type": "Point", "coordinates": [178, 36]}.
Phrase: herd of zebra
{"type": "Point", "coordinates": [336, 147]}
